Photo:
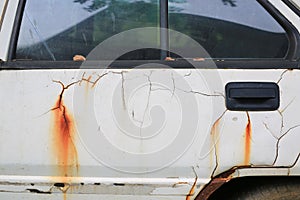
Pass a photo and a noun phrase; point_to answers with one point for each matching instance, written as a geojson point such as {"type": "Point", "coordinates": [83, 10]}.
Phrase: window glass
{"type": "Point", "coordinates": [228, 28]}
{"type": "Point", "coordinates": [60, 29]}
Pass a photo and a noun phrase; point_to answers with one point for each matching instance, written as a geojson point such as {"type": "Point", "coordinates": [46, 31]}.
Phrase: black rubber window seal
{"type": "Point", "coordinates": [293, 53]}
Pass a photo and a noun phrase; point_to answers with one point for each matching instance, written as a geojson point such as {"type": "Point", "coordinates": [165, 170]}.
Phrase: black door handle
{"type": "Point", "coordinates": [252, 96]}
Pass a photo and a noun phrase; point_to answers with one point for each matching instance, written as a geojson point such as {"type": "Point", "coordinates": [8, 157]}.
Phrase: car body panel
{"type": "Point", "coordinates": [29, 156]}
{"type": "Point", "coordinates": [75, 134]}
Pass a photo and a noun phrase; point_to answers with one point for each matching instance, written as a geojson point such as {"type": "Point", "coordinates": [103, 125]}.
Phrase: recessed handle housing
{"type": "Point", "coordinates": [252, 96]}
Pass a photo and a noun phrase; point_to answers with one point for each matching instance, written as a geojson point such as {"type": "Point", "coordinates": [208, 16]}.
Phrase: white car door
{"type": "Point", "coordinates": [147, 112]}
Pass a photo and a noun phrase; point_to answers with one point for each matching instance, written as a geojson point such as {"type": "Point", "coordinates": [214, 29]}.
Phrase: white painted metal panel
{"type": "Point", "coordinates": [29, 101]}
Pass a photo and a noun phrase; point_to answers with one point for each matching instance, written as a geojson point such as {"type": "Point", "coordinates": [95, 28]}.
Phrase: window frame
{"type": "Point", "coordinates": [289, 61]}
{"type": "Point", "coordinates": [292, 7]}
{"type": "Point", "coordinates": [293, 52]}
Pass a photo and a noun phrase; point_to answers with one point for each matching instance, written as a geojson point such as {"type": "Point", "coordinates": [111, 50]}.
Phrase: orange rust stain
{"type": "Point", "coordinates": [87, 85]}
{"type": "Point", "coordinates": [214, 133]}
{"type": "Point", "coordinates": [248, 134]}
{"type": "Point", "coordinates": [88, 80]}
{"type": "Point", "coordinates": [65, 151]}
{"type": "Point", "coordinates": [192, 190]}
{"type": "Point", "coordinates": [215, 128]}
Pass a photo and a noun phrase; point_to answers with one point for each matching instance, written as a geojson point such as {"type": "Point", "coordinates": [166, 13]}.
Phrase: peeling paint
{"type": "Point", "coordinates": [248, 135]}
{"type": "Point", "coordinates": [37, 191]}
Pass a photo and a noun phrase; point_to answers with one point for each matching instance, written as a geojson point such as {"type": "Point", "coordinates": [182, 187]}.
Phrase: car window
{"type": "Point", "coordinates": [229, 29]}
{"type": "Point", "coordinates": [58, 30]}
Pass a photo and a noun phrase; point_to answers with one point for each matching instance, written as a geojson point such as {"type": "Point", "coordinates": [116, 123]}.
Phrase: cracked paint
{"type": "Point", "coordinates": [148, 101]}
{"type": "Point", "coordinates": [282, 134]}
{"type": "Point", "coordinates": [248, 133]}
{"type": "Point", "coordinates": [215, 127]}
{"type": "Point", "coordinates": [63, 132]}
{"type": "Point", "coordinates": [122, 73]}
{"type": "Point", "coordinates": [174, 86]}
{"type": "Point", "coordinates": [64, 135]}
{"type": "Point", "coordinates": [282, 75]}
{"type": "Point", "coordinates": [123, 90]}
{"type": "Point", "coordinates": [89, 79]}
{"type": "Point", "coordinates": [192, 190]}
{"type": "Point", "coordinates": [202, 93]}
{"type": "Point", "coordinates": [278, 142]}
{"type": "Point", "coordinates": [214, 133]}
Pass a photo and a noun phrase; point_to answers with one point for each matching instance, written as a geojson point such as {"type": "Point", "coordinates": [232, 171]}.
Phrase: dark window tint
{"type": "Point", "coordinates": [228, 28]}
{"type": "Point", "coordinates": [60, 29]}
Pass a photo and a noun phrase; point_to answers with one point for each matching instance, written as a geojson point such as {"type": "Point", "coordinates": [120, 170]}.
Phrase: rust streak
{"type": "Point", "coordinates": [63, 132]}
{"type": "Point", "coordinates": [213, 186]}
{"type": "Point", "coordinates": [180, 183]}
{"type": "Point", "coordinates": [192, 190]}
{"type": "Point", "coordinates": [215, 133]}
{"type": "Point", "coordinates": [248, 135]}
{"type": "Point", "coordinates": [64, 147]}
{"type": "Point", "coordinates": [215, 127]}
{"type": "Point", "coordinates": [88, 81]}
